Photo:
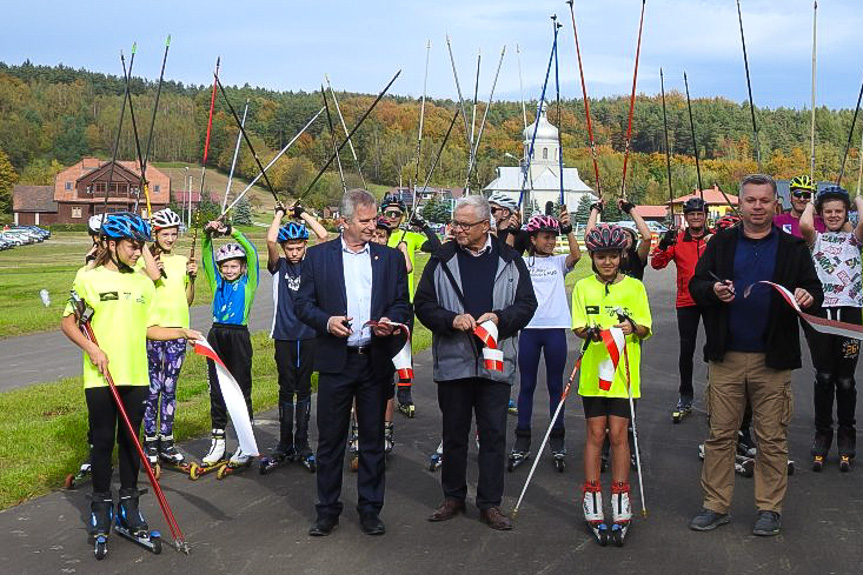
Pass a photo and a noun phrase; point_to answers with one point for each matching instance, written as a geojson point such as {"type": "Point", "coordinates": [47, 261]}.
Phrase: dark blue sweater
{"type": "Point", "coordinates": [477, 280]}
{"type": "Point", "coordinates": [754, 260]}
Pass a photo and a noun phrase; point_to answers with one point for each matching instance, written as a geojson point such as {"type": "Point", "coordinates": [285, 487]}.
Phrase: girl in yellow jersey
{"type": "Point", "coordinates": [175, 292]}
{"type": "Point", "coordinates": [598, 303]}
{"type": "Point", "coordinates": [122, 300]}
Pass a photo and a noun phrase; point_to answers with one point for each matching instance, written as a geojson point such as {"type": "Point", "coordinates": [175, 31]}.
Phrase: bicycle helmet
{"type": "Point", "coordinates": [94, 224]}
{"type": "Point", "coordinates": [231, 251]}
{"type": "Point", "coordinates": [126, 226]}
{"type": "Point", "coordinates": [541, 223]}
{"type": "Point", "coordinates": [504, 201]}
{"type": "Point", "coordinates": [605, 237]}
{"type": "Point", "coordinates": [832, 193]}
{"type": "Point", "coordinates": [393, 200]}
{"type": "Point", "coordinates": [383, 224]}
{"type": "Point", "coordinates": [293, 231]}
{"type": "Point", "coordinates": [165, 219]}
{"type": "Point", "coordinates": [802, 183]}
{"type": "Point", "coordinates": [694, 205]}
{"type": "Point", "coordinates": [727, 221]}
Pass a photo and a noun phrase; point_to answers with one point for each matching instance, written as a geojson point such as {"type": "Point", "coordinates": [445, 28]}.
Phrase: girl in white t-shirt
{"type": "Point", "coordinates": [546, 332]}
{"type": "Point", "coordinates": [836, 254]}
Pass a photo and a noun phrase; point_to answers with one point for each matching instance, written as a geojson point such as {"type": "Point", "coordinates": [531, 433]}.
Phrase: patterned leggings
{"type": "Point", "coordinates": [165, 359]}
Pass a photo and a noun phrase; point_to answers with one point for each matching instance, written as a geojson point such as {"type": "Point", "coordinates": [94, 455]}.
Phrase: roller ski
{"type": "Point", "coordinates": [521, 450]}
{"type": "Point", "coordinates": [238, 462]}
{"type": "Point", "coordinates": [76, 480]}
{"type": "Point", "coordinates": [593, 514]}
{"type": "Point", "coordinates": [354, 447]}
{"type": "Point", "coordinates": [682, 409]}
{"type": "Point", "coordinates": [215, 458]}
{"type": "Point", "coordinates": [558, 450]}
{"type": "Point", "coordinates": [820, 448]}
{"type": "Point", "coordinates": [101, 518]}
{"type": "Point", "coordinates": [406, 402]}
{"type": "Point", "coordinates": [436, 458]}
{"type": "Point", "coordinates": [846, 441]}
{"type": "Point", "coordinates": [389, 440]}
{"type": "Point", "coordinates": [309, 462]}
{"type": "Point", "coordinates": [281, 455]}
{"type": "Point", "coordinates": [170, 457]}
{"type": "Point", "coordinates": [130, 524]}
{"type": "Point", "coordinates": [743, 466]}
{"type": "Point", "coordinates": [151, 450]}
{"type": "Point", "coordinates": [621, 512]}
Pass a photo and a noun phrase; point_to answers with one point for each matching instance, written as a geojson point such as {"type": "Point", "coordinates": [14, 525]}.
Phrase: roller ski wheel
{"type": "Point", "coordinates": [599, 531]}
{"type": "Point", "coordinates": [618, 533]}
{"type": "Point", "coordinates": [517, 459]}
{"type": "Point", "coordinates": [100, 549]}
{"type": "Point", "coordinates": [408, 410]}
{"type": "Point", "coordinates": [845, 463]}
{"type": "Point", "coordinates": [232, 469]}
{"type": "Point", "coordinates": [196, 471]}
{"type": "Point", "coordinates": [101, 518]}
{"type": "Point", "coordinates": [76, 480]}
{"type": "Point", "coordinates": [270, 463]}
{"type": "Point", "coordinates": [131, 525]}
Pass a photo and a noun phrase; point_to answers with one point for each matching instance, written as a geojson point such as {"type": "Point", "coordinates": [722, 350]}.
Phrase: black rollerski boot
{"type": "Point", "coordinates": [101, 517]}
{"type": "Point", "coordinates": [304, 451]}
{"type": "Point", "coordinates": [436, 458]}
{"type": "Point", "coordinates": [75, 480]}
{"type": "Point", "coordinates": [405, 401]}
{"type": "Point", "coordinates": [558, 449]}
{"type": "Point", "coordinates": [621, 512]}
{"type": "Point", "coordinates": [284, 452]}
{"type": "Point", "coordinates": [521, 451]}
{"type": "Point", "coordinates": [846, 441]}
{"type": "Point", "coordinates": [389, 438]}
{"type": "Point", "coordinates": [151, 450]}
{"type": "Point", "coordinates": [821, 447]}
{"type": "Point", "coordinates": [682, 409]}
{"type": "Point", "coordinates": [594, 515]}
{"type": "Point", "coordinates": [170, 456]}
{"type": "Point", "coordinates": [132, 525]}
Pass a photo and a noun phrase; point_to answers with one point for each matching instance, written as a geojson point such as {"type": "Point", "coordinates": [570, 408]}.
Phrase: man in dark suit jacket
{"type": "Point", "coordinates": [345, 283]}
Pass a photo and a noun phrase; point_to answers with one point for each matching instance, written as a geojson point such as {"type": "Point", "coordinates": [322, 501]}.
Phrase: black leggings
{"type": "Point", "coordinates": [835, 360]}
{"type": "Point", "coordinates": [234, 345]}
{"type": "Point", "coordinates": [106, 423]}
{"type": "Point", "coordinates": [687, 328]}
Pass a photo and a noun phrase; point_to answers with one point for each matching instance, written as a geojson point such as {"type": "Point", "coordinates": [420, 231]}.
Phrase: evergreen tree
{"type": "Point", "coordinates": [8, 178]}
{"type": "Point", "coordinates": [436, 210]}
{"type": "Point", "coordinates": [243, 213]}
{"type": "Point", "coordinates": [582, 212]}
{"type": "Point", "coordinates": [208, 209]}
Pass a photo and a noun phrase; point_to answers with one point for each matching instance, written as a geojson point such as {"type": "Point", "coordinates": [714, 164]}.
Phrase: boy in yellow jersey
{"type": "Point", "coordinates": [122, 300]}
{"type": "Point", "coordinates": [175, 292]}
{"type": "Point", "coordinates": [598, 302]}
{"type": "Point", "coordinates": [393, 211]}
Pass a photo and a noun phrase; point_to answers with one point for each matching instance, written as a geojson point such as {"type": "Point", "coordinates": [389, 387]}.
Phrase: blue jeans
{"type": "Point", "coordinates": [532, 342]}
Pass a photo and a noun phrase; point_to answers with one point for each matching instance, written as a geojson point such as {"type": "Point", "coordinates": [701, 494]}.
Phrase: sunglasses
{"type": "Point", "coordinates": [393, 214]}
{"type": "Point", "coordinates": [802, 195]}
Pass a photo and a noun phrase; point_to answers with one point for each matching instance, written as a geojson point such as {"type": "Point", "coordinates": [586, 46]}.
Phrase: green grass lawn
{"type": "Point", "coordinates": [51, 418]}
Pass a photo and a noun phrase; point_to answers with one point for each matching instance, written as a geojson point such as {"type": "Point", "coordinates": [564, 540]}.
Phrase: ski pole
{"type": "Point", "coordinates": [84, 315]}
{"type": "Point", "coordinates": [622, 316]}
{"type": "Point", "coordinates": [667, 152]}
{"type": "Point", "coordinates": [144, 182]}
{"type": "Point", "coordinates": [557, 411]}
{"type": "Point", "coordinates": [749, 88]}
{"type": "Point", "coordinates": [126, 96]}
{"type": "Point", "coordinates": [209, 130]}
{"type": "Point", "coordinates": [345, 128]}
{"type": "Point", "coordinates": [558, 25]}
{"type": "Point", "coordinates": [236, 155]}
{"type": "Point", "coordinates": [628, 143]}
{"type": "Point", "coordinates": [694, 140]}
{"type": "Point", "coordinates": [333, 138]}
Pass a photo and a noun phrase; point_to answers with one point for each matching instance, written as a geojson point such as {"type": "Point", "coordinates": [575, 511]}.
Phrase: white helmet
{"type": "Point", "coordinates": [503, 200]}
{"type": "Point", "coordinates": [230, 251]}
{"type": "Point", "coordinates": [94, 224]}
{"type": "Point", "coordinates": [165, 219]}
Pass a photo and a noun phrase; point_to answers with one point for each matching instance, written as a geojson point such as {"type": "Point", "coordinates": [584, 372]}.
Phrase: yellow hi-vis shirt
{"type": "Point", "coordinates": [414, 242]}
{"type": "Point", "coordinates": [592, 306]}
{"type": "Point", "coordinates": [122, 304]}
{"type": "Point", "coordinates": [171, 308]}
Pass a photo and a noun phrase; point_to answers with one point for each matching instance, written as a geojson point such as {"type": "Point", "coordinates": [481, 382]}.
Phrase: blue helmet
{"type": "Point", "coordinates": [293, 231]}
{"type": "Point", "coordinates": [126, 226]}
{"type": "Point", "coordinates": [832, 193]}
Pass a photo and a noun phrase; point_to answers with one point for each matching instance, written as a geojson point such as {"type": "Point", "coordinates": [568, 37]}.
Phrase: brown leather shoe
{"type": "Point", "coordinates": [447, 510]}
{"type": "Point", "coordinates": [495, 519]}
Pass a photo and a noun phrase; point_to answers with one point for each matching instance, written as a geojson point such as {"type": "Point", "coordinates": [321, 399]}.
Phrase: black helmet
{"type": "Point", "coordinates": [694, 205]}
{"type": "Point", "coordinates": [832, 193]}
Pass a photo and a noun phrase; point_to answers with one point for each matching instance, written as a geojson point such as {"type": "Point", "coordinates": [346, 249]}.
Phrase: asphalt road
{"type": "Point", "coordinates": [257, 524]}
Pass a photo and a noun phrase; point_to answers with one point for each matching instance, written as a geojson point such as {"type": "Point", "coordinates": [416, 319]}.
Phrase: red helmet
{"type": "Point", "coordinates": [605, 237]}
{"type": "Point", "coordinates": [541, 223]}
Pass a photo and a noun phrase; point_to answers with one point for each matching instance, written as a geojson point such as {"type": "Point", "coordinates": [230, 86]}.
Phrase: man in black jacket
{"type": "Point", "coordinates": [752, 346]}
{"type": "Point", "coordinates": [474, 279]}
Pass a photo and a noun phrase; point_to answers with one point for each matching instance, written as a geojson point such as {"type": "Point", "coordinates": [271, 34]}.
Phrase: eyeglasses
{"type": "Point", "coordinates": [465, 226]}
{"type": "Point", "coordinates": [393, 214]}
{"type": "Point", "coordinates": [802, 195]}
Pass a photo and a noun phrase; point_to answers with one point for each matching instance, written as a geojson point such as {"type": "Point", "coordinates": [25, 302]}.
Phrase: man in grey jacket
{"type": "Point", "coordinates": [467, 282]}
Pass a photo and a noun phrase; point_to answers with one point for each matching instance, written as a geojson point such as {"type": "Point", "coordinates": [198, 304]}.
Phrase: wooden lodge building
{"type": "Point", "coordinates": [79, 192]}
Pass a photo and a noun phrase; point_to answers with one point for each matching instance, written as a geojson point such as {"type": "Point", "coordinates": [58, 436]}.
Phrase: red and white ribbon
{"type": "Point", "coordinates": [491, 355]}
{"type": "Point", "coordinates": [234, 400]}
{"type": "Point", "coordinates": [819, 324]}
{"type": "Point", "coordinates": [403, 360]}
{"type": "Point", "coordinates": [614, 342]}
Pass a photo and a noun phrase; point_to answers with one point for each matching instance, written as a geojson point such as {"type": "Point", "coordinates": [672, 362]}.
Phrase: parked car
{"type": "Point", "coordinates": [5, 245]}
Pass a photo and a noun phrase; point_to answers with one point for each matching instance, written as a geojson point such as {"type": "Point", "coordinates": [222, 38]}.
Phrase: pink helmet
{"type": "Point", "coordinates": [604, 237]}
{"type": "Point", "coordinates": [541, 223]}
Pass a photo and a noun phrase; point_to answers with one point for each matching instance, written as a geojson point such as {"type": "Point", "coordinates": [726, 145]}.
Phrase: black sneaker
{"type": "Point", "coordinates": [767, 524]}
{"type": "Point", "coordinates": [707, 520]}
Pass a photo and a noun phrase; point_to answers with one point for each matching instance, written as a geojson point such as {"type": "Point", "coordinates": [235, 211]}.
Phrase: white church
{"type": "Point", "coordinates": [542, 191]}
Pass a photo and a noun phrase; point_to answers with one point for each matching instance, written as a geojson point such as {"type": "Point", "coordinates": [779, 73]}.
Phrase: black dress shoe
{"type": "Point", "coordinates": [371, 524]}
{"type": "Point", "coordinates": [323, 526]}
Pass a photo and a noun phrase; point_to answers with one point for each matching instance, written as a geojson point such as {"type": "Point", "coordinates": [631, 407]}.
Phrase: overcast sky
{"type": "Point", "coordinates": [290, 44]}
